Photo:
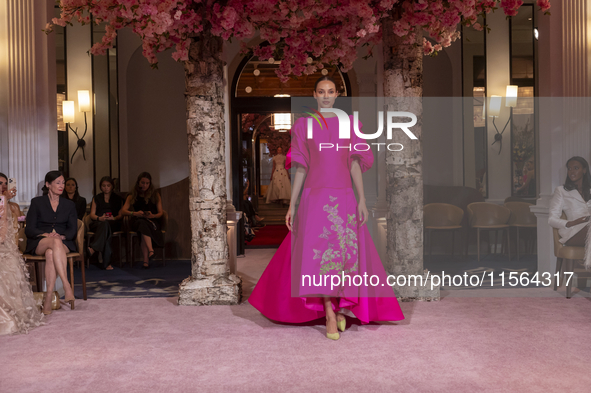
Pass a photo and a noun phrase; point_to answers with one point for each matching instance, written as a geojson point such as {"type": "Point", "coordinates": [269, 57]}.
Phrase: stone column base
{"type": "Point", "coordinates": [428, 292]}
{"type": "Point", "coordinates": [210, 291]}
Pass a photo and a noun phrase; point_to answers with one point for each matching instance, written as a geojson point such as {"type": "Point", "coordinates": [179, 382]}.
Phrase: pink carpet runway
{"type": "Point", "coordinates": [153, 345]}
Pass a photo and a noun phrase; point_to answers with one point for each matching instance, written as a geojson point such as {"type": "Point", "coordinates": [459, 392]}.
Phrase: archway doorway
{"type": "Point", "coordinates": [256, 95]}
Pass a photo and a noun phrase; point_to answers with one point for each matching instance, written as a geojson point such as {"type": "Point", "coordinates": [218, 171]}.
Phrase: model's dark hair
{"type": "Point", "coordinates": [4, 176]}
{"type": "Point", "coordinates": [325, 78]}
{"type": "Point", "coordinates": [570, 185]}
{"type": "Point", "coordinates": [50, 178]}
{"type": "Point", "coordinates": [106, 179]}
{"type": "Point", "coordinates": [76, 194]}
{"type": "Point", "coordinates": [150, 193]}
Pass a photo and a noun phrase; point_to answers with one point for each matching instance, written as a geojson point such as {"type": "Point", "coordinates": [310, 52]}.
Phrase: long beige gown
{"type": "Point", "coordinates": [18, 309]}
{"type": "Point", "coordinates": [280, 187]}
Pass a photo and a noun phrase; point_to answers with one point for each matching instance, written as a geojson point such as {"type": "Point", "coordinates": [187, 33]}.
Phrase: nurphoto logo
{"type": "Point", "coordinates": [345, 128]}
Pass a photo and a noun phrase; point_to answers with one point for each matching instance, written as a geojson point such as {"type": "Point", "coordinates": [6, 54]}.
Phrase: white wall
{"type": "Point", "coordinates": [498, 77]}
{"type": "Point", "coordinates": [156, 119]}
{"type": "Point", "coordinates": [79, 76]}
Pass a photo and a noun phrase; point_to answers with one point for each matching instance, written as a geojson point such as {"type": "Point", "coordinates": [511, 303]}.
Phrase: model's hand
{"type": "Point", "coordinates": [102, 218]}
{"type": "Point", "coordinates": [9, 194]}
{"type": "Point", "coordinates": [148, 215]}
{"type": "Point", "coordinates": [288, 218]}
{"type": "Point", "coordinates": [578, 221]}
{"type": "Point", "coordinates": [362, 212]}
{"type": "Point", "coordinates": [138, 214]}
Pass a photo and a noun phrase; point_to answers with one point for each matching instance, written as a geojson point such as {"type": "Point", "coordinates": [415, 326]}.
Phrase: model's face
{"type": "Point", "coordinates": [70, 186]}
{"type": "Point", "coordinates": [106, 188]}
{"type": "Point", "coordinates": [144, 184]}
{"type": "Point", "coordinates": [575, 171]}
{"type": "Point", "coordinates": [279, 150]}
{"type": "Point", "coordinates": [3, 184]}
{"type": "Point", "coordinates": [325, 94]}
{"type": "Point", "coordinates": [57, 186]}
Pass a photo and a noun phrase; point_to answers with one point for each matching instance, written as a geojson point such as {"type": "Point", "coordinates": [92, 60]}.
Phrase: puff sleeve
{"type": "Point", "coordinates": [363, 154]}
{"type": "Point", "coordinates": [555, 210]}
{"type": "Point", "coordinates": [298, 151]}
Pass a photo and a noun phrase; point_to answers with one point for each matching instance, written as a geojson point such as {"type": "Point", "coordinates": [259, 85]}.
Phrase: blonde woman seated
{"type": "Point", "coordinates": [144, 205]}
{"type": "Point", "coordinates": [280, 187]}
{"type": "Point", "coordinates": [574, 199]}
{"type": "Point", "coordinates": [18, 308]}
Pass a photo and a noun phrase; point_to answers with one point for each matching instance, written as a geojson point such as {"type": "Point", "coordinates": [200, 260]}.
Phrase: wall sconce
{"type": "Point", "coordinates": [282, 121]}
{"type": "Point", "coordinates": [494, 111]}
{"type": "Point", "coordinates": [69, 117]}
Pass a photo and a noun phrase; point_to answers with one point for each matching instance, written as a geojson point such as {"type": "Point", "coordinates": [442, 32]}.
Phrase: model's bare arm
{"type": "Point", "coordinates": [298, 182]}
{"type": "Point", "coordinates": [362, 212]}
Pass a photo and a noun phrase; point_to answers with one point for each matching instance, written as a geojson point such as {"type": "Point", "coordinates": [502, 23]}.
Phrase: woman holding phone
{"type": "Point", "coordinates": [105, 212]}
{"type": "Point", "coordinates": [144, 205]}
{"type": "Point", "coordinates": [18, 308]}
{"type": "Point", "coordinates": [8, 190]}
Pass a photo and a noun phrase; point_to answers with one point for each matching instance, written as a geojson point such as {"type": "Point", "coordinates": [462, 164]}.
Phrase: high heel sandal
{"type": "Point", "coordinates": [46, 312]}
{"type": "Point", "coordinates": [71, 301]}
{"type": "Point", "coordinates": [342, 324]}
{"type": "Point", "coordinates": [333, 336]}
{"type": "Point", "coordinates": [151, 255]}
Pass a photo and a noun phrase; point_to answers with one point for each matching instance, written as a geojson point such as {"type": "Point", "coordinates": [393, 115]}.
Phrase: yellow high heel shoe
{"type": "Point", "coordinates": [333, 336]}
{"type": "Point", "coordinates": [342, 324]}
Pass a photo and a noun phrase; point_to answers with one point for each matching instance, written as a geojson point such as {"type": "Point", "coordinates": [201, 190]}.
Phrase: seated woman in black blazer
{"type": "Point", "coordinates": [71, 193]}
{"type": "Point", "coordinates": [106, 219]}
{"type": "Point", "coordinates": [51, 229]}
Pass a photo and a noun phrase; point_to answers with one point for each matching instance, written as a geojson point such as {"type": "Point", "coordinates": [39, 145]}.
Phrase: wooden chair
{"type": "Point", "coordinates": [119, 235]}
{"type": "Point", "coordinates": [521, 217]}
{"type": "Point", "coordinates": [71, 256]}
{"type": "Point", "coordinates": [489, 217]}
{"type": "Point", "coordinates": [442, 217]}
{"type": "Point", "coordinates": [567, 254]}
{"type": "Point", "coordinates": [133, 235]}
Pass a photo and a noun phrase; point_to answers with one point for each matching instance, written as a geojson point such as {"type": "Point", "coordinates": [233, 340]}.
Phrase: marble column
{"type": "Point", "coordinates": [380, 209]}
{"type": "Point", "coordinates": [28, 116]}
{"type": "Point", "coordinates": [564, 110]}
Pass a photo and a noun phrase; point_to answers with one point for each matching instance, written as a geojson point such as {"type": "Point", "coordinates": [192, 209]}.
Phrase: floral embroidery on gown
{"type": "Point", "coordinates": [19, 311]}
{"type": "Point", "coordinates": [280, 187]}
{"type": "Point", "coordinates": [326, 240]}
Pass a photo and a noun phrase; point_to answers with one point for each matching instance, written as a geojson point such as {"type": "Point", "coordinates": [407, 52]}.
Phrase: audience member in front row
{"type": "Point", "coordinates": [73, 195]}
{"type": "Point", "coordinates": [15, 210]}
{"type": "Point", "coordinates": [51, 230]}
{"type": "Point", "coordinates": [18, 308]}
{"type": "Point", "coordinates": [144, 205]}
{"type": "Point", "coordinates": [105, 213]}
{"type": "Point", "coordinates": [574, 199]}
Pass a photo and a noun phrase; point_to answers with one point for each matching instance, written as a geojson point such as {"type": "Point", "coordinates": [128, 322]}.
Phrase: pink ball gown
{"type": "Point", "coordinates": [327, 239]}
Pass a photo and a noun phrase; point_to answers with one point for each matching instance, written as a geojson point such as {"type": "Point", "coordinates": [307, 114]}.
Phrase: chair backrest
{"type": "Point", "coordinates": [80, 237]}
{"type": "Point", "coordinates": [520, 213]}
{"type": "Point", "coordinates": [164, 222]}
{"type": "Point", "coordinates": [87, 221]}
{"type": "Point", "coordinates": [442, 214]}
{"type": "Point", "coordinates": [22, 240]}
{"type": "Point", "coordinates": [485, 213]}
{"type": "Point", "coordinates": [556, 236]}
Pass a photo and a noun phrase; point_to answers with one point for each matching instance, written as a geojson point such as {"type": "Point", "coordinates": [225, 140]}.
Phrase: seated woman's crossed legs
{"type": "Point", "coordinates": [56, 264]}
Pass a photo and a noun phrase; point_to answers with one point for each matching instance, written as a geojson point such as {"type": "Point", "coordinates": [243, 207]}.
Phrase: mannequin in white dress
{"type": "Point", "coordinates": [279, 189]}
